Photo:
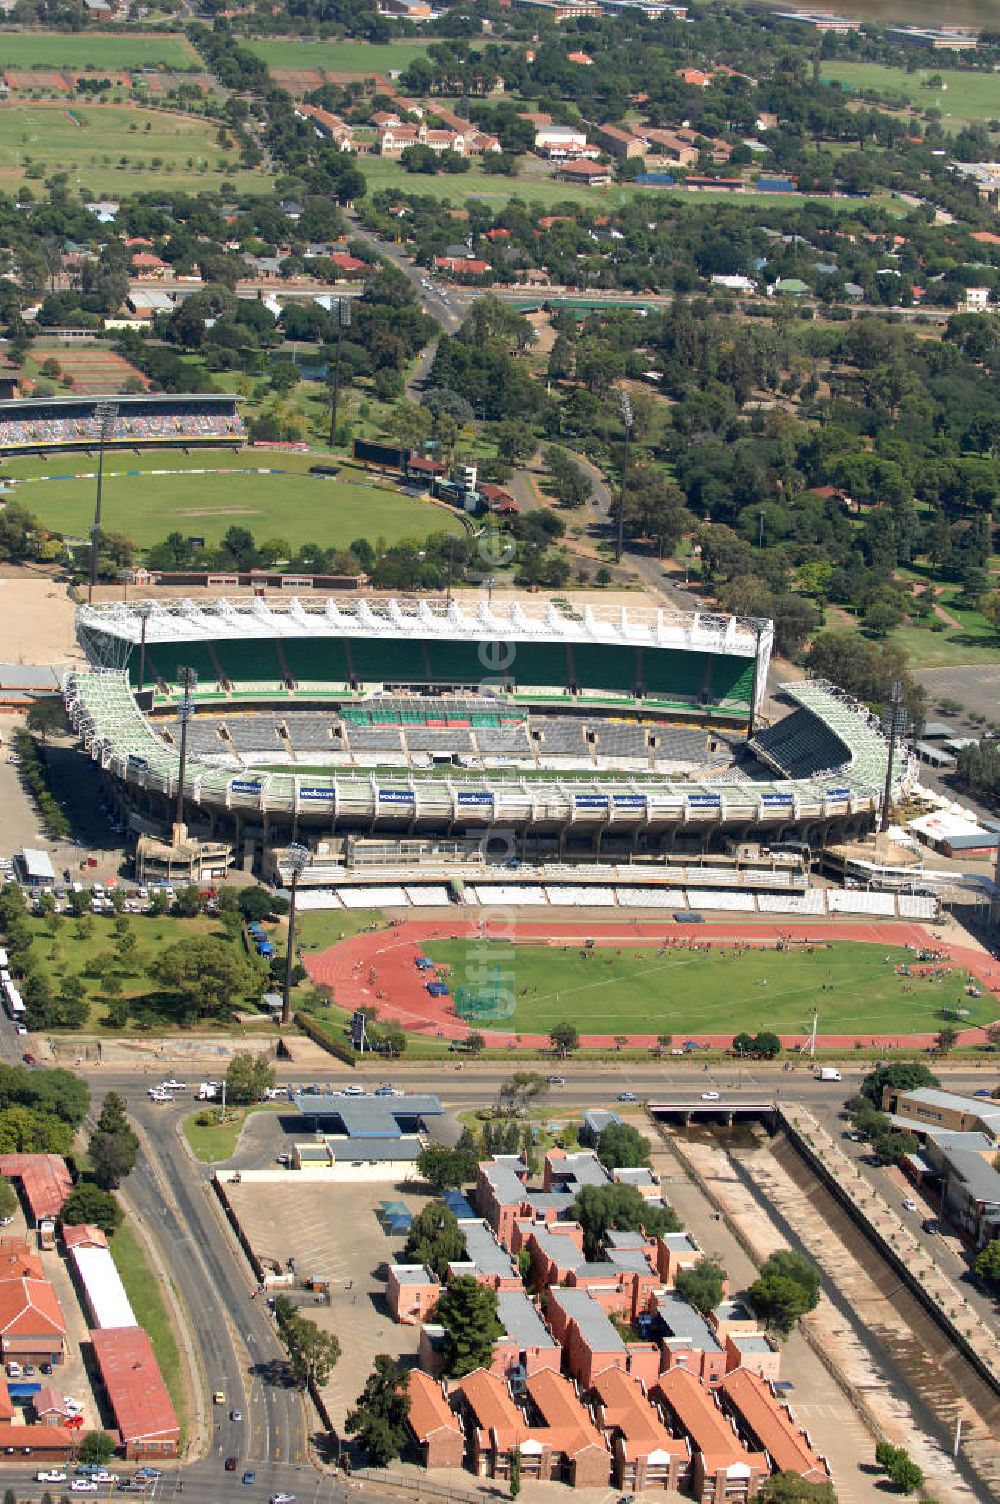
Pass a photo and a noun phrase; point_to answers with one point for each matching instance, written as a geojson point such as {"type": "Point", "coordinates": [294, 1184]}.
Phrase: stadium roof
{"type": "Point", "coordinates": [188, 621]}
{"type": "Point", "coordinates": [121, 399]}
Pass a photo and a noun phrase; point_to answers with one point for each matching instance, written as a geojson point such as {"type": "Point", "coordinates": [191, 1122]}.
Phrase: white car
{"type": "Point", "coordinates": [55, 1476]}
{"type": "Point", "coordinates": [710, 1096]}
{"type": "Point", "coordinates": [909, 1206]}
{"type": "Point", "coordinates": [173, 1085]}
{"type": "Point", "coordinates": [354, 1091]}
{"type": "Point", "coordinates": [83, 1486]}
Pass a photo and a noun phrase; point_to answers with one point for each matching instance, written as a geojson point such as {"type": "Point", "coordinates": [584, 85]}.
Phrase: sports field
{"type": "Point", "coordinates": [638, 991]}
{"type": "Point", "coordinates": [100, 51]}
{"type": "Point", "coordinates": [965, 95]}
{"type": "Point", "coordinates": [109, 145]}
{"type": "Point", "coordinates": [360, 58]}
{"type": "Point", "coordinates": [295, 507]}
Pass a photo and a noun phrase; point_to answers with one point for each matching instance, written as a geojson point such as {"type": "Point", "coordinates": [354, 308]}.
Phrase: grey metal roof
{"type": "Point", "coordinates": [368, 1116]}
{"type": "Point", "coordinates": [596, 1119]}
{"type": "Point", "coordinates": [483, 1251]}
{"type": "Point", "coordinates": [583, 1169]}
{"type": "Point", "coordinates": [629, 1258]}
{"type": "Point", "coordinates": [617, 1237]}
{"type": "Point", "coordinates": [29, 676]}
{"type": "Point", "coordinates": [978, 1175]}
{"type": "Point", "coordinates": [983, 1108]}
{"type": "Point", "coordinates": [750, 1342]}
{"type": "Point", "coordinates": [639, 1175]}
{"type": "Point", "coordinates": [678, 1242]}
{"type": "Point", "coordinates": [559, 1247]}
{"type": "Point", "coordinates": [684, 1323]}
{"type": "Point", "coordinates": [595, 1328]}
{"type": "Point", "coordinates": [521, 1321]}
{"type": "Point", "coordinates": [374, 1148]}
{"type": "Point", "coordinates": [412, 1274]}
{"type": "Point", "coordinates": [507, 1187]}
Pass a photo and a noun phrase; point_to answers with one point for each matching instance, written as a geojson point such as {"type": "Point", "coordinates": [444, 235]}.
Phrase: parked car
{"type": "Point", "coordinates": [51, 1475]}
{"type": "Point", "coordinates": [909, 1205]}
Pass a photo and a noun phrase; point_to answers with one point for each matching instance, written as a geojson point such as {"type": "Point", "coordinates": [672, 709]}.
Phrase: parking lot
{"type": "Point", "coordinates": [333, 1233]}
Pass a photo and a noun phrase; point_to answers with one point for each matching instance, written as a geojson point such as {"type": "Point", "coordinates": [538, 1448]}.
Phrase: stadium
{"type": "Point", "coordinates": [422, 731]}
{"type": "Point", "coordinates": [50, 425]}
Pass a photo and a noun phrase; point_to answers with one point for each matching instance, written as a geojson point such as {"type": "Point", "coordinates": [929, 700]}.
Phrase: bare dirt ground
{"type": "Point", "coordinates": [36, 622]}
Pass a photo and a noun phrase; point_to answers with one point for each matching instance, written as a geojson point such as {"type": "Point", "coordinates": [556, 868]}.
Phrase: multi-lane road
{"type": "Point", "coordinates": [229, 1337]}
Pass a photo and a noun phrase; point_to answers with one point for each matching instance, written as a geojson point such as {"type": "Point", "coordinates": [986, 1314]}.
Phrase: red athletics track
{"type": "Point", "coordinates": [398, 991]}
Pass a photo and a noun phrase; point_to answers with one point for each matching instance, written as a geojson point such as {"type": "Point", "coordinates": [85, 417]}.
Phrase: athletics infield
{"type": "Point", "coordinates": [379, 970]}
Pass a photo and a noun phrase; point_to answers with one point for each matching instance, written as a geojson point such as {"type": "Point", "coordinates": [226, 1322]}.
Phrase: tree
{"type": "Point", "coordinates": [97, 1446]}
{"type": "Point", "coordinates": [113, 1117]}
{"type": "Point", "coordinates": [946, 1039]}
{"type": "Point", "coordinates": [249, 1077]}
{"type": "Point", "coordinates": [900, 1468]}
{"type": "Point", "coordinates": [378, 1419]}
{"type": "Point", "coordinates": [792, 1488]}
{"type": "Point", "coordinates": [210, 975]}
{"type": "Point", "coordinates": [258, 904]}
{"type": "Point", "coordinates": [445, 1169]}
{"type": "Point", "coordinates": [622, 1147]}
{"type": "Point", "coordinates": [475, 1043]}
{"type": "Point", "coordinates": [435, 1239]}
{"type": "Point", "coordinates": [89, 1204]}
{"type": "Point", "coordinates": [8, 1199]}
{"type": "Point", "coordinates": [988, 1262]}
{"type": "Point", "coordinates": [46, 718]}
{"type": "Point", "coordinates": [565, 1038]}
{"type": "Point", "coordinates": [702, 1286]}
{"type": "Point", "coordinates": [112, 1157]}
{"type": "Point", "coordinates": [514, 1471]}
{"type": "Point", "coordinates": [598, 1208]}
{"type": "Point", "coordinates": [766, 1045]}
{"type": "Point", "coordinates": [903, 1076]}
{"type": "Point", "coordinates": [788, 1287]}
{"type": "Point", "coordinates": [468, 1312]}
{"type": "Point", "coordinates": [313, 1354]}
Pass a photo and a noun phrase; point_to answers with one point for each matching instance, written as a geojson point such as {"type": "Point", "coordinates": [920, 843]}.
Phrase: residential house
{"type": "Point", "coordinates": [766, 1425]}
{"type": "Point", "coordinates": [676, 1251]}
{"type": "Point", "coordinates": [686, 1340]}
{"type": "Point", "coordinates": [644, 1455]}
{"type": "Point", "coordinates": [695, 78]}
{"type": "Point", "coordinates": [432, 1423]}
{"type": "Point", "coordinates": [32, 1327]}
{"type": "Point", "coordinates": [590, 1341]}
{"type": "Point", "coordinates": [526, 1345]}
{"type": "Point", "coordinates": [412, 1293]}
{"type": "Point", "coordinates": [485, 1261]}
{"type": "Point", "coordinates": [581, 59]}
{"type": "Point", "coordinates": [463, 268]}
{"type": "Point", "coordinates": [721, 1470]}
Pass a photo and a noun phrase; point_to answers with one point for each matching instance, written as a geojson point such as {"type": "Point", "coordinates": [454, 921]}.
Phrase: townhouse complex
{"type": "Point", "coordinates": [602, 1374]}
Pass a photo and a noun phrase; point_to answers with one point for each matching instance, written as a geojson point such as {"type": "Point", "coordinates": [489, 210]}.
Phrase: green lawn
{"type": "Point", "coordinates": [143, 1290]}
{"type": "Point", "coordinates": [68, 952]}
{"type": "Point", "coordinates": [100, 51]}
{"type": "Point", "coordinates": [972, 641]}
{"type": "Point", "coordinates": [218, 1141]}
{"type": "Point", "coordinates": [967, 95]}
{"type": "Point", "coordinates": [295, 507]}
{"type": "Point", "coordinates": [361, 58]}
{"type": "Point", "coordinates": [88, 143]}
{"type": "Point", "coordinates": [637, 991]}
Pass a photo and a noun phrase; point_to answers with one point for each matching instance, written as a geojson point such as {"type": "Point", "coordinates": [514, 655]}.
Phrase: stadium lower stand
{"type": "Point", "coordinates": [44, 424]}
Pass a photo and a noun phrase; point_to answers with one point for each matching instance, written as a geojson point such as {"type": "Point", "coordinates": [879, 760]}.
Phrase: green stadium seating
{"type": "Point", "coordinates": [165, 660]}
{"type": "Point", "coordinates": [316, 660]}
{"type": "Point", "coordinates": [388, 661]}
{"type": "Point", "coordinates": [673, 674]}
{"type": "Point", "coordinates": [249, 662]}
{"type": "Point", "coordinates": [604, 666]}
{"type": "Point", "coordinates": [458, 663]}
{"type": "Point", "coordinates": [539, 663]}
{"type": "Point", "coordinates": [732, 679]}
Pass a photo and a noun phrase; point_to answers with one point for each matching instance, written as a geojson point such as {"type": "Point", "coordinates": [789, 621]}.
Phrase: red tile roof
{"type": "Point", "coordinates": [624, 1407]}
{"type": "Point", "coordinates": [29, 1308]}
{"type": "Point", "coordinates": [134, 1384]}
{"type": "Point", "coordinates": [6, 1406]}
{"type": "Point", "coordinates": [700, 1417]}
{"type": "Point", "coordinates": [429, 1408]}
{"type": "Point", "coordinates": [45, 1181]}
{"type": "Point", "coordinates": [489, 1400]}
{"type": "Point", "coordinates": [40, 1438]}
{"type": "Point", "coordinates": [772, 1426]}
{"type": "Point", "coordinates": [18, 1260]}
{"type": "Point", "coordinates": [83, 1236]}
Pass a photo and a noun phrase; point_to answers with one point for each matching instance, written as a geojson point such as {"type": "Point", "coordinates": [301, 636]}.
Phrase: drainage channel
{"type": "Point", "coordinates": [929, 1372]}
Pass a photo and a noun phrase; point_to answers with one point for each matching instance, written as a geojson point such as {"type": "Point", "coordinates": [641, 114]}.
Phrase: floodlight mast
{"type": "Point", "coordinates": [297, 858]}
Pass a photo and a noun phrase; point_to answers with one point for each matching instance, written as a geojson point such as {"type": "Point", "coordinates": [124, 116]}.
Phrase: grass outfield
{"type": "Point", "coordinates": [638, 991]}
{"type": "Point", "coordinates": [102, 52]}
{"type": "Point", "coordinates": [361, 58]}
{"type": "Point", "coordinates": [297, 508]}
{"type": "Point", "coordinates": [968, 96]}
{"type": "Point", "coordinates": [88, 142]}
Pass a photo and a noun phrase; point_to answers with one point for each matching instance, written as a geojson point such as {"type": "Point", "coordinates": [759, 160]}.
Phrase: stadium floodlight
{"type": "Point", "coordinates": [343, 322]}
{"type": "Point", "coordinates": [105, 413]}
{"type": "Point", "coordinates": [297, 859]}
{"type": "Point", "coordinates": [894, 723]}
{"type": "Point", "coordinates": [187, 678]}
{"type": "Point", "coordinates": [144, 611]}
{"type": "Point", "coordinates": [627, 418]}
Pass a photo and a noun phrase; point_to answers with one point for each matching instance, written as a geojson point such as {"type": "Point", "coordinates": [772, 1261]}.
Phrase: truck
{"type": "Point", "coordinates": [827, 1073]}
{"type": "Point", "coordinates": [208, 1091]}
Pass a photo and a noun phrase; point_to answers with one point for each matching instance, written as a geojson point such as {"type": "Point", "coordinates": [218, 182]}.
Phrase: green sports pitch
{"type": "Point", "coordinates": [962, 94]}
{"type": "Point", "coordinates": [99, 52]}
{"type": "Point", "coordinates": [610, 990]}
{"type": "Point", "coordinates": [296, 507]}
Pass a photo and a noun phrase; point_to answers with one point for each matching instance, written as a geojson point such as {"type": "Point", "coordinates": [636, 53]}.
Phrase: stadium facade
{"type": "Point", "coordinates": [609, 727]}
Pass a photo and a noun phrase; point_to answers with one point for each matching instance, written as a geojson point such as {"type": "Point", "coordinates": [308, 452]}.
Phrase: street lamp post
{"type": "Point", "coordinates": [105, 413]}
{"type": "Point", "coordinates": [626, 407]}
{"type": "Point", "coordinates": [187, 678]}
{"type": "Point", "coordinates": [296, 857]}
{"type": "Point", "coordinates": [343, 322]}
